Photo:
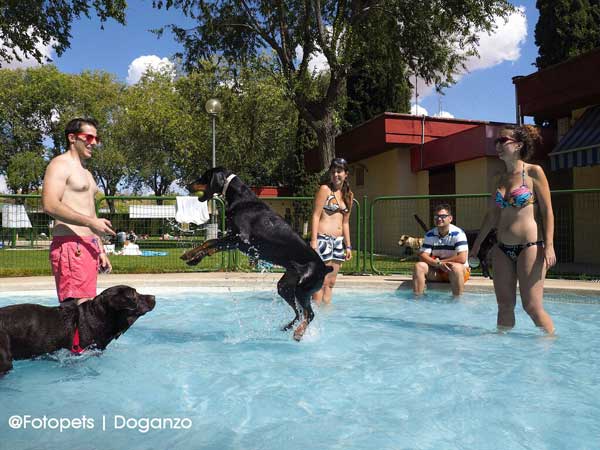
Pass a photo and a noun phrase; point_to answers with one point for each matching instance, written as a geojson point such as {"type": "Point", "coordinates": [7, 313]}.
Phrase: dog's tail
{"type": "Point", "coordinates": [420, 222]}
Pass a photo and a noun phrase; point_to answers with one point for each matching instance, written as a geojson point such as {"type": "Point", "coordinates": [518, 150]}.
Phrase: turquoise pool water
{"type": "Point", "coordinates": [378, 370]}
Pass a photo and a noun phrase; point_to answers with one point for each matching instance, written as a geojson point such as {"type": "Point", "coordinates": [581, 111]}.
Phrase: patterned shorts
{"type": "Point", "coordinates": [331, 248]}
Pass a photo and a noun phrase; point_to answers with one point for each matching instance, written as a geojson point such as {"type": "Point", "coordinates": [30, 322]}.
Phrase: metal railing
{"type": "Point", "coordinates": [576, 241]}
{"type": "Point", "coordinates": [376, 227]}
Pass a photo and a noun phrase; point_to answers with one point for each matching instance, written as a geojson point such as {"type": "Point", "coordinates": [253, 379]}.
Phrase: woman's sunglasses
{"type": "Point", "coordinates": [504, 139]}
{"type": "Point", "coordinates": [89, 138]}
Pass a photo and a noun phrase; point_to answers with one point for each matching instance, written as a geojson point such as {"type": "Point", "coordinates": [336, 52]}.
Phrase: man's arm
{"type": "Point", "coordinates": [458, 258]}
{"type": "Point", "coordinates": [55, 182]}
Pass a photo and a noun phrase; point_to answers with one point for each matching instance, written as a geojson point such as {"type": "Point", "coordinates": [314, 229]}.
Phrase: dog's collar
{"type": "Point", "coordinates": [227, 181]}
{"type": "Point", "coordinates": [76, 348]}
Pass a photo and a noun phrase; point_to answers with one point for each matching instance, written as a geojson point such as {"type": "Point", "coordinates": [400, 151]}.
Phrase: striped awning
{"type": "Point", "coordinates": [581, 145]}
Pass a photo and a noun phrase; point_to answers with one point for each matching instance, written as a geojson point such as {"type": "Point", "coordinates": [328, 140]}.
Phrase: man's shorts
{"type": "Point", "coordinates": [74, 261]}
{"type": "Point", "coordinates": [331, 248]}
{"type": "Point", "coordinates": [443, 276]}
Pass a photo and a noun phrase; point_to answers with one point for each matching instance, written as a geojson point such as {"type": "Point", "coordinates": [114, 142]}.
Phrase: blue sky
{"type": "Point", "coordinates": [483, 94]}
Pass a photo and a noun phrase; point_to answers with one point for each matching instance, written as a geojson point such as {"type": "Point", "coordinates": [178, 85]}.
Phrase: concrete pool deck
{"type": "Point", "coordinates": [254, 280]}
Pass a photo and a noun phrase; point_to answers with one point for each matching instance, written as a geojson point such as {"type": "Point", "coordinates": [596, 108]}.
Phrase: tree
{"type": "Point", "coordinates": [25, 172]}
{"type": "Point", "coordinates": [433, 39]}
{"type": "Point", "coordinates": [26, 24]}
{"type": "Point", "coordinates": [255, 131]}
{"type": "Point", "coordinates": [29, 99]}
{"type": "Point", "coordinates": [155, 129]}
{"type": "Point", "coordinates": [378, 79]}
{"type": "Point", "coordinates": [566, 28]}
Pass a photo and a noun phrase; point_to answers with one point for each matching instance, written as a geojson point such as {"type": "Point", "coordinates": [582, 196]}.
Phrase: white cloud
{"type": "Point", "coordinates": [45, 49]}
{"type": "Point", "coordinates": [3, 186]}
{"type": "Point", "coordinates": [317, 61]}
{"type": "Point", "coordinates": [142, 64]}
{"type": "Point", "coordinates": [503, 44]}
{"type": "Point", "coordinates": [417, 110]}
{"type": "Point", "coordinates": [444, 115]}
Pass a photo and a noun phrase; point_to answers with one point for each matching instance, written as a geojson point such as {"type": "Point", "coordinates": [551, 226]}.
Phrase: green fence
{"type": "Point", "coordinates": [376, 227]}
{"type": "Point", "coordinates": [576, 240]}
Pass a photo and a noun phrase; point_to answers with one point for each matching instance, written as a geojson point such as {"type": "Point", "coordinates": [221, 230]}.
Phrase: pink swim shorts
{"type": "Point", "coordinates": [74, 261]}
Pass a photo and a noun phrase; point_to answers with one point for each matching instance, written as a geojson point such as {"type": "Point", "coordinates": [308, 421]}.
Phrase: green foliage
{"type": "Point", "coordinates": [28, 100]}
{"type": "Point", "coordinates": [566, 28]}
{"type": "Point", "coordinates": [25, 172]}
{"type": "Point", "coordinates": [26, 24]}
{"type": "Point", "coordinates": [378, 80]}
{"type": "Point", "coordinates": [155, 129]}
{"type": "Point", "coordinates": [255, 131]}
{"type": "Point", "coordinates": [431, 38]}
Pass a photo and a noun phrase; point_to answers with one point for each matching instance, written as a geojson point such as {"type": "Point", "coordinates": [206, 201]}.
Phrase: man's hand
{"type": "Point", "coordinates": [101, 226]}
{"type": "Point", "coordinates": [105, 265]}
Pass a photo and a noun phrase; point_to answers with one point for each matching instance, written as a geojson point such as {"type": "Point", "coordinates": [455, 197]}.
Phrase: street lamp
{"type": "Point", "coordinates": [213, 108]}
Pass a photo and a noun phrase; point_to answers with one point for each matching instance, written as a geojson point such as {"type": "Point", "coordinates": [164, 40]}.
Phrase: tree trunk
{"type": "Point", "coordinates": [325, 131]}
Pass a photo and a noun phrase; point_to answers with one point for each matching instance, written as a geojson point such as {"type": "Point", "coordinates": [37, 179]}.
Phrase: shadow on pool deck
{"type": "Point", "coordinates": [238, 280]}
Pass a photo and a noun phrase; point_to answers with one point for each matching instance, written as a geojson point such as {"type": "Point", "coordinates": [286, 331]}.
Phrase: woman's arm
{"type": "Point", "coordinates": [320, 198]}
{"type": "Point", "coordinates": [542, 192]}
{"type": "Point", "coordinates": [346, 230]}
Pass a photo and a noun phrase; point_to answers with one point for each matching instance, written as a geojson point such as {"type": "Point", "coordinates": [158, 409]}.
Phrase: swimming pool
{"type": "Point", "coordinates": [211, 370]}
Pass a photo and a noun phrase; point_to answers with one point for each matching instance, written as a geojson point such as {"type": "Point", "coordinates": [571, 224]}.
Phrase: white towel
{"type": "Point", "coordinates": [15, 216]}
{"type": "Point", "coordinates": [191, 210]}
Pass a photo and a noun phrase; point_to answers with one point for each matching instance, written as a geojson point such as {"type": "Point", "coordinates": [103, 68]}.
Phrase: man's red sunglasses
{"type": "Point", "coordinates": [89, 138]}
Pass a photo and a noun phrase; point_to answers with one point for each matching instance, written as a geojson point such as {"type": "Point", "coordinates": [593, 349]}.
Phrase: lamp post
{"type": "Point", "coordinates": [213, 108]}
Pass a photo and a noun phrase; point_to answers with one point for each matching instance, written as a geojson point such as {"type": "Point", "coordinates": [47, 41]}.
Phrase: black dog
{"type": "Point", "coordinates": [485, 254]}
{"type": "Point", "coordinates": [30, 330]}
{"type": "Point", "coordinates": [254, 228]}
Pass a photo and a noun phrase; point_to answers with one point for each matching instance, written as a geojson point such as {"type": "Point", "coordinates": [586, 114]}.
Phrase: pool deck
{"type": "Point", "coordinates": [253, 280]}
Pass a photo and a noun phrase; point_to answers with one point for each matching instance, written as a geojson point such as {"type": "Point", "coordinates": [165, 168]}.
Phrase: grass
{"type": "Point", "coordinates": [22, 262]}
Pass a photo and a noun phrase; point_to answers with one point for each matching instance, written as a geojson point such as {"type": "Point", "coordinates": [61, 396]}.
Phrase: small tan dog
{"type": "Point", "coordinates": [410, 242]}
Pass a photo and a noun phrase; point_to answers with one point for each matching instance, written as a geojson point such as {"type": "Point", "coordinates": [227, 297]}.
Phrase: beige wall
{"type": "Point", "coordinates": [475, 177]}
{"type": "Point", "coordinates": [585, 215]}
{"type": "Point", "coordinates": [586, 177]}
{"type": "Point", "coordinates": [389, 174]}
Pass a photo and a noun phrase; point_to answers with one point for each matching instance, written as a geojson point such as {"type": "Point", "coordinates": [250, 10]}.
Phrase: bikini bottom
{"type": "Point", "coordinates": [513, 251]}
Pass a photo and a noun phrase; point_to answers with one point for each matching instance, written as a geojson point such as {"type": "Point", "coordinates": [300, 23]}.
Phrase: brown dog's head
{"type": "Point", "coordinates": [124, 305]}
{"type": "Point", "coordinates": [403, 242]}
{"type": "Point", "coordinates": [211, 182]}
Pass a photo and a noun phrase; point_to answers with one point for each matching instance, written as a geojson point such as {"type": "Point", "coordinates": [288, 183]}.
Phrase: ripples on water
{"type": "Point", "coordinates": [375, 371]}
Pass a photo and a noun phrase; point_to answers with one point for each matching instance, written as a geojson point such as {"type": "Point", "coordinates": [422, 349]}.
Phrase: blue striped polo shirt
{"type": "Point", "coordinates": [445, 247]}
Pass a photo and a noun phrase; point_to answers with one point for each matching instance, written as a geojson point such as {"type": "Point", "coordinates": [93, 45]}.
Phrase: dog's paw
{"type": "Point", "coordinates": [193, 257]}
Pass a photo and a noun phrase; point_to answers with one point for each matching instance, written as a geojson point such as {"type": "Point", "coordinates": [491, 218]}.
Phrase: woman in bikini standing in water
{"type": "Point", "coordinates": [521, 211]}
{"type": "Point", "coordinates": [330, 231]}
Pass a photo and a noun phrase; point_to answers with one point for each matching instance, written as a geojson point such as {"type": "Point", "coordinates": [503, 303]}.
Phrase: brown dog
{"type": "Point", "coordinates": [410, 243]}
{"type": "Point", "coordinates": [30, 330]}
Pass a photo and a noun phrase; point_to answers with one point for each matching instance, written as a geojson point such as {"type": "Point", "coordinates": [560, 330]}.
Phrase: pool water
{"type": "Point", "coordinates": [377, 370]}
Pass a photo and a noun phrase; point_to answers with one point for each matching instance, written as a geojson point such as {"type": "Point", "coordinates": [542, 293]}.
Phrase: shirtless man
{"type": "Point", "coordinates": [68, 193]}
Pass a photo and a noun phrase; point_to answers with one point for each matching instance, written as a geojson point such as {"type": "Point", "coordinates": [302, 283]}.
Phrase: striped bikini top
{"type": "Point", "coordinates": [518, 198]}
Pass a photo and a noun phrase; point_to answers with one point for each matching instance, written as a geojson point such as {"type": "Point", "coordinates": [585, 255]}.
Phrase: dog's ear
{"type": "Point", "coordinates": [218, 179]}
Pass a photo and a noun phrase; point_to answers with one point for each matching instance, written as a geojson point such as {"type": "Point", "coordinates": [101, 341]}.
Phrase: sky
{"type": "Point", "coordinates": [485, 92]}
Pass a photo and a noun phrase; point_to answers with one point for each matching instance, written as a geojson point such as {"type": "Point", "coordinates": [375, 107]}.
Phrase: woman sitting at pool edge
{"type": "Point", "coordinates": [521, 211]}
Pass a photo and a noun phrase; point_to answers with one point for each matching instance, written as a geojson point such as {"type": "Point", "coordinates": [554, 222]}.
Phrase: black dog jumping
{"type": "Point", "coordinates": [30, 330]}
{"type": "Point", "coordinates": [254, 228]}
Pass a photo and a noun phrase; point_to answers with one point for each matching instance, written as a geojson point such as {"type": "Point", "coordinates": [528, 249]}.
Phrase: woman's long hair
{"type": "Point", "coordinates": [347, 193]}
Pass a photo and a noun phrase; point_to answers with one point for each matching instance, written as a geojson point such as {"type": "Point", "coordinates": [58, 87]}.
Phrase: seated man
{"type": "Point", "coordinates": [443, 256]}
